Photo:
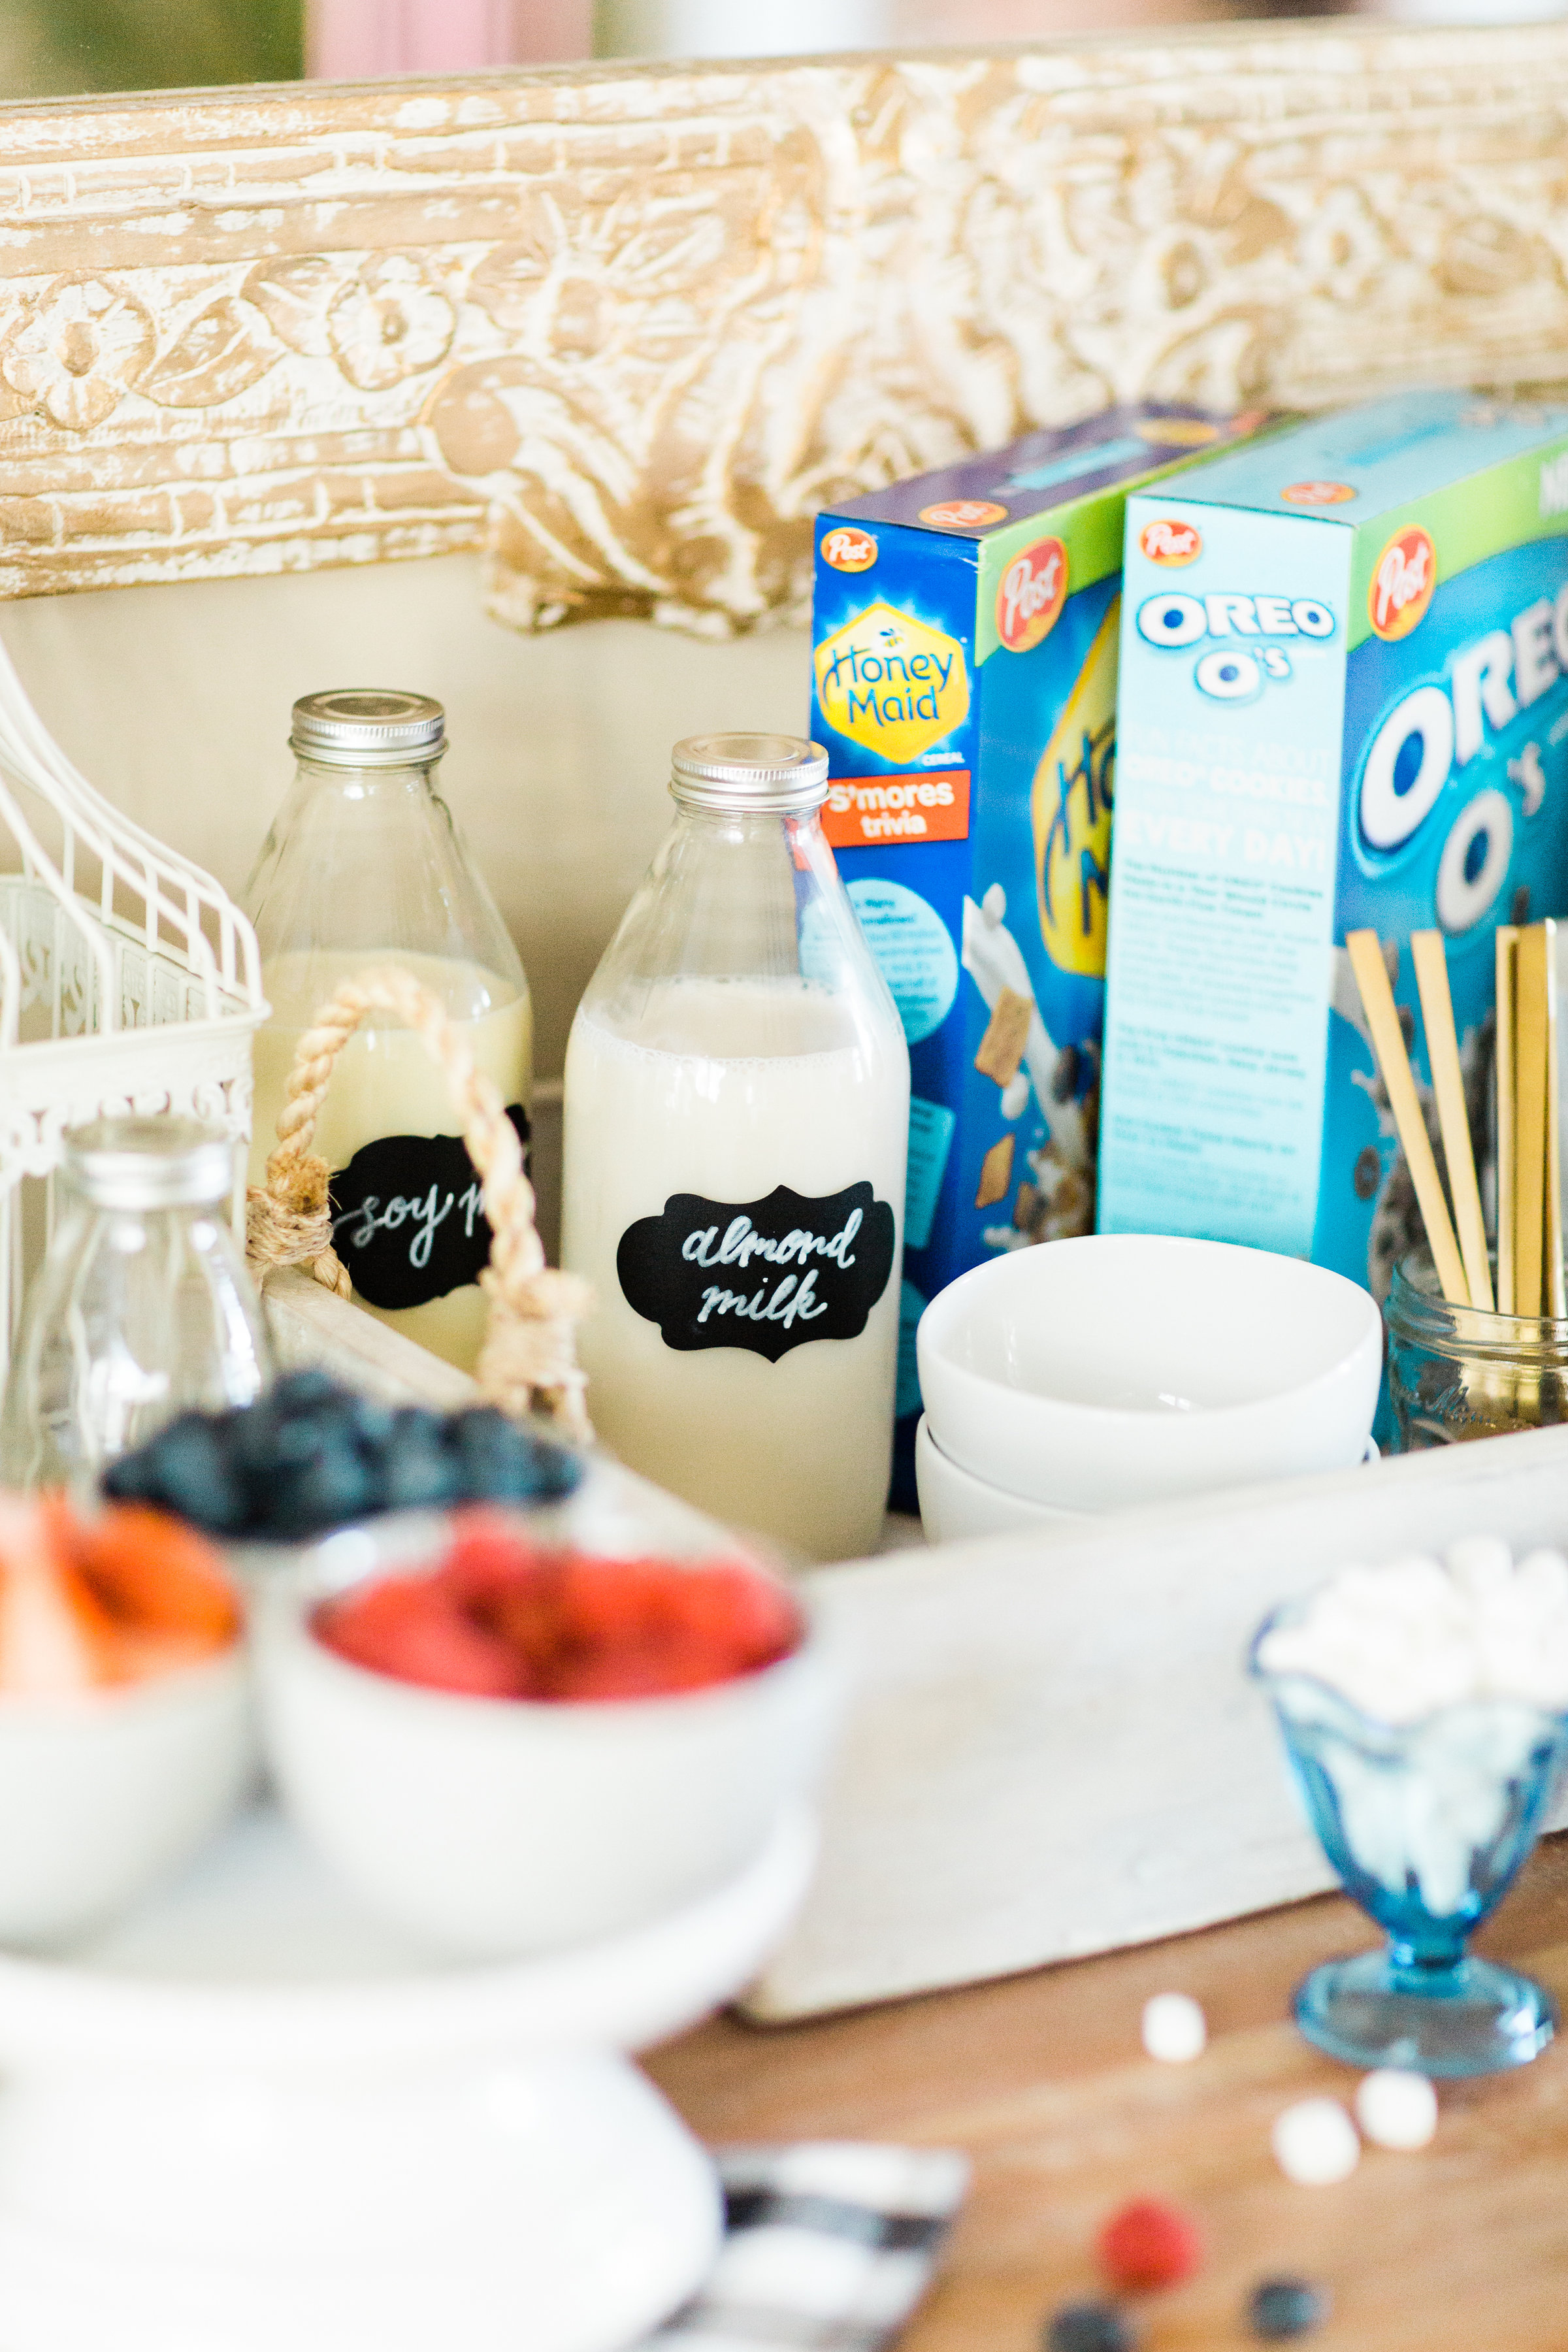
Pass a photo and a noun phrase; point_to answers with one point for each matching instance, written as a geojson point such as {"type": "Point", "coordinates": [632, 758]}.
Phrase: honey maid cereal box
{"type": "Point", "coordinates": [964, 666]}
{"type": "Point", "coordinates": [1345, 704]}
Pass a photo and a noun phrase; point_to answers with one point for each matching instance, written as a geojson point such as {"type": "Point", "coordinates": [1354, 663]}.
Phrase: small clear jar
{"type": "Point", "coordinates": [142, 1308]}
{"type": "Point", "coordinates": [1459, 1372]}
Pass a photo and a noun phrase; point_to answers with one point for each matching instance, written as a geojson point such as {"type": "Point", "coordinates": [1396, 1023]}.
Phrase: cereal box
{"type": "Point", "coordinates": [965, 642]}
{"type": "Point", "coordinates": [1344, 703]}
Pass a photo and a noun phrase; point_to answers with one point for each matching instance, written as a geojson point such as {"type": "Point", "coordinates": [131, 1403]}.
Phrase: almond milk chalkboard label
{"type": "Point", "coordinates": [764, 1275]}
{"type": "Point", "coordinates": [406, 1218]}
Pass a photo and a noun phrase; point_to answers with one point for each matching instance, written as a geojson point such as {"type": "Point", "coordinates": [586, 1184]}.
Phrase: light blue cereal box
{"type": "Point", "coordinates": [1344, 703]}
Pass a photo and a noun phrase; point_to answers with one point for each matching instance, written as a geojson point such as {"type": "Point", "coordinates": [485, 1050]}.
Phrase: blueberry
{"type": "Point", "coordinates": [375, 1423]}
{"type": "Point", "coordinates": [501, 1462]}
{"type": "Point", "coordinates": [1089, 2328]}
{"type": "Point", "coordinates": [419, 1471]}
{"type": "Point", "coordinates": [304, 1391]}
{"type": "Point", "coordinates": [1285, 2306]}
{"type": "Point", "coordinates": [556, 1469]}
{"type": "Point", "coordinates": [185, 1469]}
{"type": "Point", "coordinates": [335, 1484]}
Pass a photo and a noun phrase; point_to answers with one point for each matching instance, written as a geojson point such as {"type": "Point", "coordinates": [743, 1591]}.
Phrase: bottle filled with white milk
{"type": "Point", "coordinates": [737, 1115]}
{"type": "Point", "coordinates": [365, 867]}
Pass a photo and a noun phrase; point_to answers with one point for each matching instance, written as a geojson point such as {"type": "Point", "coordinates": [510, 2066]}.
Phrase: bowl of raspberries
{"type": "Point", "coordinates": [510, 1734]}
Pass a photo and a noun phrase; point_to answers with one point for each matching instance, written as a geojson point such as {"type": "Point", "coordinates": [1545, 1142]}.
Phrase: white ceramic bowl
{"type": "Point", "coordinates": [1129, 1368]}
{"type": "Point", "coordinates": [495, 1827]}
{"type": "Point", "coordinates": [105, 1795]}
{"type": "Point", "coordinates": [955, 1505]}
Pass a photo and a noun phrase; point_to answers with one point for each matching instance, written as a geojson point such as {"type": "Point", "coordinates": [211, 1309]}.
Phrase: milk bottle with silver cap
{"type": "Point", "coordinates": [365, 867]}
{"type": "Point", "coordinates": [737, 1112]}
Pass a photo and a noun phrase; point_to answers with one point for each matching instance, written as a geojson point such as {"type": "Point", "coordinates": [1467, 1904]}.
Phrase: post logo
{"type": "Point", "coordinates": [963, 514]}
{"type": "Point", "coordinates": [848, 550]}
{"type": "Point", "coordinates": [1030, 594]}
{"type": "Point", "coordinates": [891, 683]}
{"type": "Point", "coordinates": [1317, 493]}
{"type": "Point", "coordinates": [1402, 582]}
{"type": "Point", "coordinates": [1171, 543]}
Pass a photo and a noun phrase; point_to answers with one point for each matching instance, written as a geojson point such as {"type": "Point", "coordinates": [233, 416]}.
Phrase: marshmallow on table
{"type": "Point", "coordinates": [1396, 2108]}
{"type": "Point", "coordinates": [1175, 2028]}
{"type": "Point", "coordinates": [1315, 2143]}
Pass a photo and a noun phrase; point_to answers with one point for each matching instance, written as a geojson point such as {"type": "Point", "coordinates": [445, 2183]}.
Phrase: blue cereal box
{"type": "Point", "coordinates": [964, 661]}
{"type": "Point", "coordinates": [1345, 704]}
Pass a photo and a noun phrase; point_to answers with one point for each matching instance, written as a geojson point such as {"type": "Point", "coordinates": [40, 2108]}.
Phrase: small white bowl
{"type": "Point", "coordinates": [956, 1505]}
{"type": "Point", "coordinates": [495, 1827]}
{"type": "Point", "coordinates": [102, 1796]}
{"type": "Point", "coordinates": [1129, 1368]}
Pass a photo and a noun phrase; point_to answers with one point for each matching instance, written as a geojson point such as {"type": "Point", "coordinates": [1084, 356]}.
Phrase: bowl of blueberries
{"type": "Point", "coordinates": [311, 1454]}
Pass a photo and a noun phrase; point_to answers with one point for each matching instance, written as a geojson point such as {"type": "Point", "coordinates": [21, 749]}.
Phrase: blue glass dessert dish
{"type": "Point", "coordinates": [1427, 1824]}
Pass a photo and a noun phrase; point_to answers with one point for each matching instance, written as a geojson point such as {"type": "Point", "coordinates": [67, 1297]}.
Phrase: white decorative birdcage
{"type": "Point", "coordinates": [129, 981]}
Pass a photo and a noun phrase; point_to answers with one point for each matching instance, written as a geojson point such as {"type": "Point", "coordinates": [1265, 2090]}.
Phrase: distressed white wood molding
{"type": "Point", "coordinates": [627, 326]}
{"type": "Point", "coordinates": [1053, 1747]}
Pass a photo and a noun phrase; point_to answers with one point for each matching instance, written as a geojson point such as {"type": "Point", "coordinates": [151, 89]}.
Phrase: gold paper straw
{"type": "Point", "coordinates": [1507, 1114]}
{"type": "Point", "coordinates": [1530, 1014]}
{"type": "Point", "coordinates": [1393, 1062]}
{"type": "Point", "coordinates": [1556, 1303]}
{"type": "Point", "coordinates": [1452, 1118]}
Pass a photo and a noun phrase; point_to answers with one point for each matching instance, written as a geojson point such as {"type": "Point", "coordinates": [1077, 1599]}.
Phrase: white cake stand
{"type": "Point", "coordinates": [250, 2120]}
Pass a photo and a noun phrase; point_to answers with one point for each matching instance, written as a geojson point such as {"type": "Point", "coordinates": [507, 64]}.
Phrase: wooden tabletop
{"type": "Point", "coordinates": [1461, 2248]}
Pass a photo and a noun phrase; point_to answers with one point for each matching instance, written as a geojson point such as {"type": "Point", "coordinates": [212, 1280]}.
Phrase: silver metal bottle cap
{"type": "Point", "coordinates": [149, 1164]}
{"type": "Point", "coordinates": [369, 727]}
{"type": "Point", "coordinates": [776, 772]}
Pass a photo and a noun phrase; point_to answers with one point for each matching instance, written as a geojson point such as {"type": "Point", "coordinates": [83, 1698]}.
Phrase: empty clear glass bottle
{"type": "Point", "coordinates": [363, 867]}
{"type": "Point", "coordinates": [737, 1119]}
{"type": "Point", "coordinates": [142, 1308]}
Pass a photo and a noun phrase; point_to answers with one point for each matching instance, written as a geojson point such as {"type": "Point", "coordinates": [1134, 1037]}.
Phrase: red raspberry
{"type": "Point", "coordinates": [410, 1628]}
{"type": "Point", "coordinates": [1151, 2243]}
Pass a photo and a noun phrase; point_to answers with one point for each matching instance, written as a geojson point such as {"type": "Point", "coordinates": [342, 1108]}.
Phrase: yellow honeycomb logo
{"type": "Point", "coordinates": [891, 683]}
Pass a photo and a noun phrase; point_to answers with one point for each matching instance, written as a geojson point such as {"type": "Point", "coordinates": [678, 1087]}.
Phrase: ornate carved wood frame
{"type": "Point", "coordinates": [627, 328]}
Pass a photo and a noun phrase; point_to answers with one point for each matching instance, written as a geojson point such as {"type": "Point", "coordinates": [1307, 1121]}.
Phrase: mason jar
{"type": "Point", "coordinates": [1459, 1372]}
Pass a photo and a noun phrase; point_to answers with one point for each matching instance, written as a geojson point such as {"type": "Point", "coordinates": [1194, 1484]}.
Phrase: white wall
{"type": "Point", "coordinates": [176, 700]}
{"type": "Point", "coordinates": [739, 28]}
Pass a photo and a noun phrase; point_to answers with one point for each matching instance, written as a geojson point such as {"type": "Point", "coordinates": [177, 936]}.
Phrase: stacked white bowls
{"type": "Point", "coordinates": [1088, 1376]}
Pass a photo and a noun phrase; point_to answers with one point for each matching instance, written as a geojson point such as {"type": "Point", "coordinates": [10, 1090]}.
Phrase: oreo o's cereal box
{"type": "Point", "coordinates": [965, 640]}
{"type": "Point", "coordinates": [1344, 703]}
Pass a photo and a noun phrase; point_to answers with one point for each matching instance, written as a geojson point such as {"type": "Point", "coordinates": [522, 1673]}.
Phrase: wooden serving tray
{"type": "Point", "coordinates": [1052, 1747]}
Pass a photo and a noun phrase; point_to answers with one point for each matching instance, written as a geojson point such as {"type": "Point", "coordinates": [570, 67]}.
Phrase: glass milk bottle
{"type": "Point", "coordinates": [737, 1115]}
{"type": "Point", "coordinates": [365, 867]}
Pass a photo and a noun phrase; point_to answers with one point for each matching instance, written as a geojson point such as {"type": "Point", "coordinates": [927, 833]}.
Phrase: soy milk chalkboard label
{"type": "Point", "coordinates": [406, 1217]}
{"type": "Point", "coordinates": [766, 1274]}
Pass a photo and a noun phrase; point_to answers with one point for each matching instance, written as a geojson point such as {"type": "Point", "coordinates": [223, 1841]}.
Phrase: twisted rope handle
{"type": "Point", "coordinates": [530, 1352]}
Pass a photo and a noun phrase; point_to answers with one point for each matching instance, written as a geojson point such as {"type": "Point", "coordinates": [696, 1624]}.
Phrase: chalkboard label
{"type": "Point", "coordinates": [406, 1217]}
{"type": "Point", "coordinates": [764, 1275]}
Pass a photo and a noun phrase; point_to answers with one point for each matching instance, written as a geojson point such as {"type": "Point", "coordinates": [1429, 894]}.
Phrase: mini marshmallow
{"type": "Point", "coordinates": [1315, 2143]}
{"type": "Point", "coordinates": [1175, 2028]}
{"type": "Point", "coordinates": [1396, 2108]}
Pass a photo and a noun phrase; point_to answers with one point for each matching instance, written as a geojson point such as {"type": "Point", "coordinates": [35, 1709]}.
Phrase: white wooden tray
{"type": "Point", "coordinates": [1052, 1748]}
